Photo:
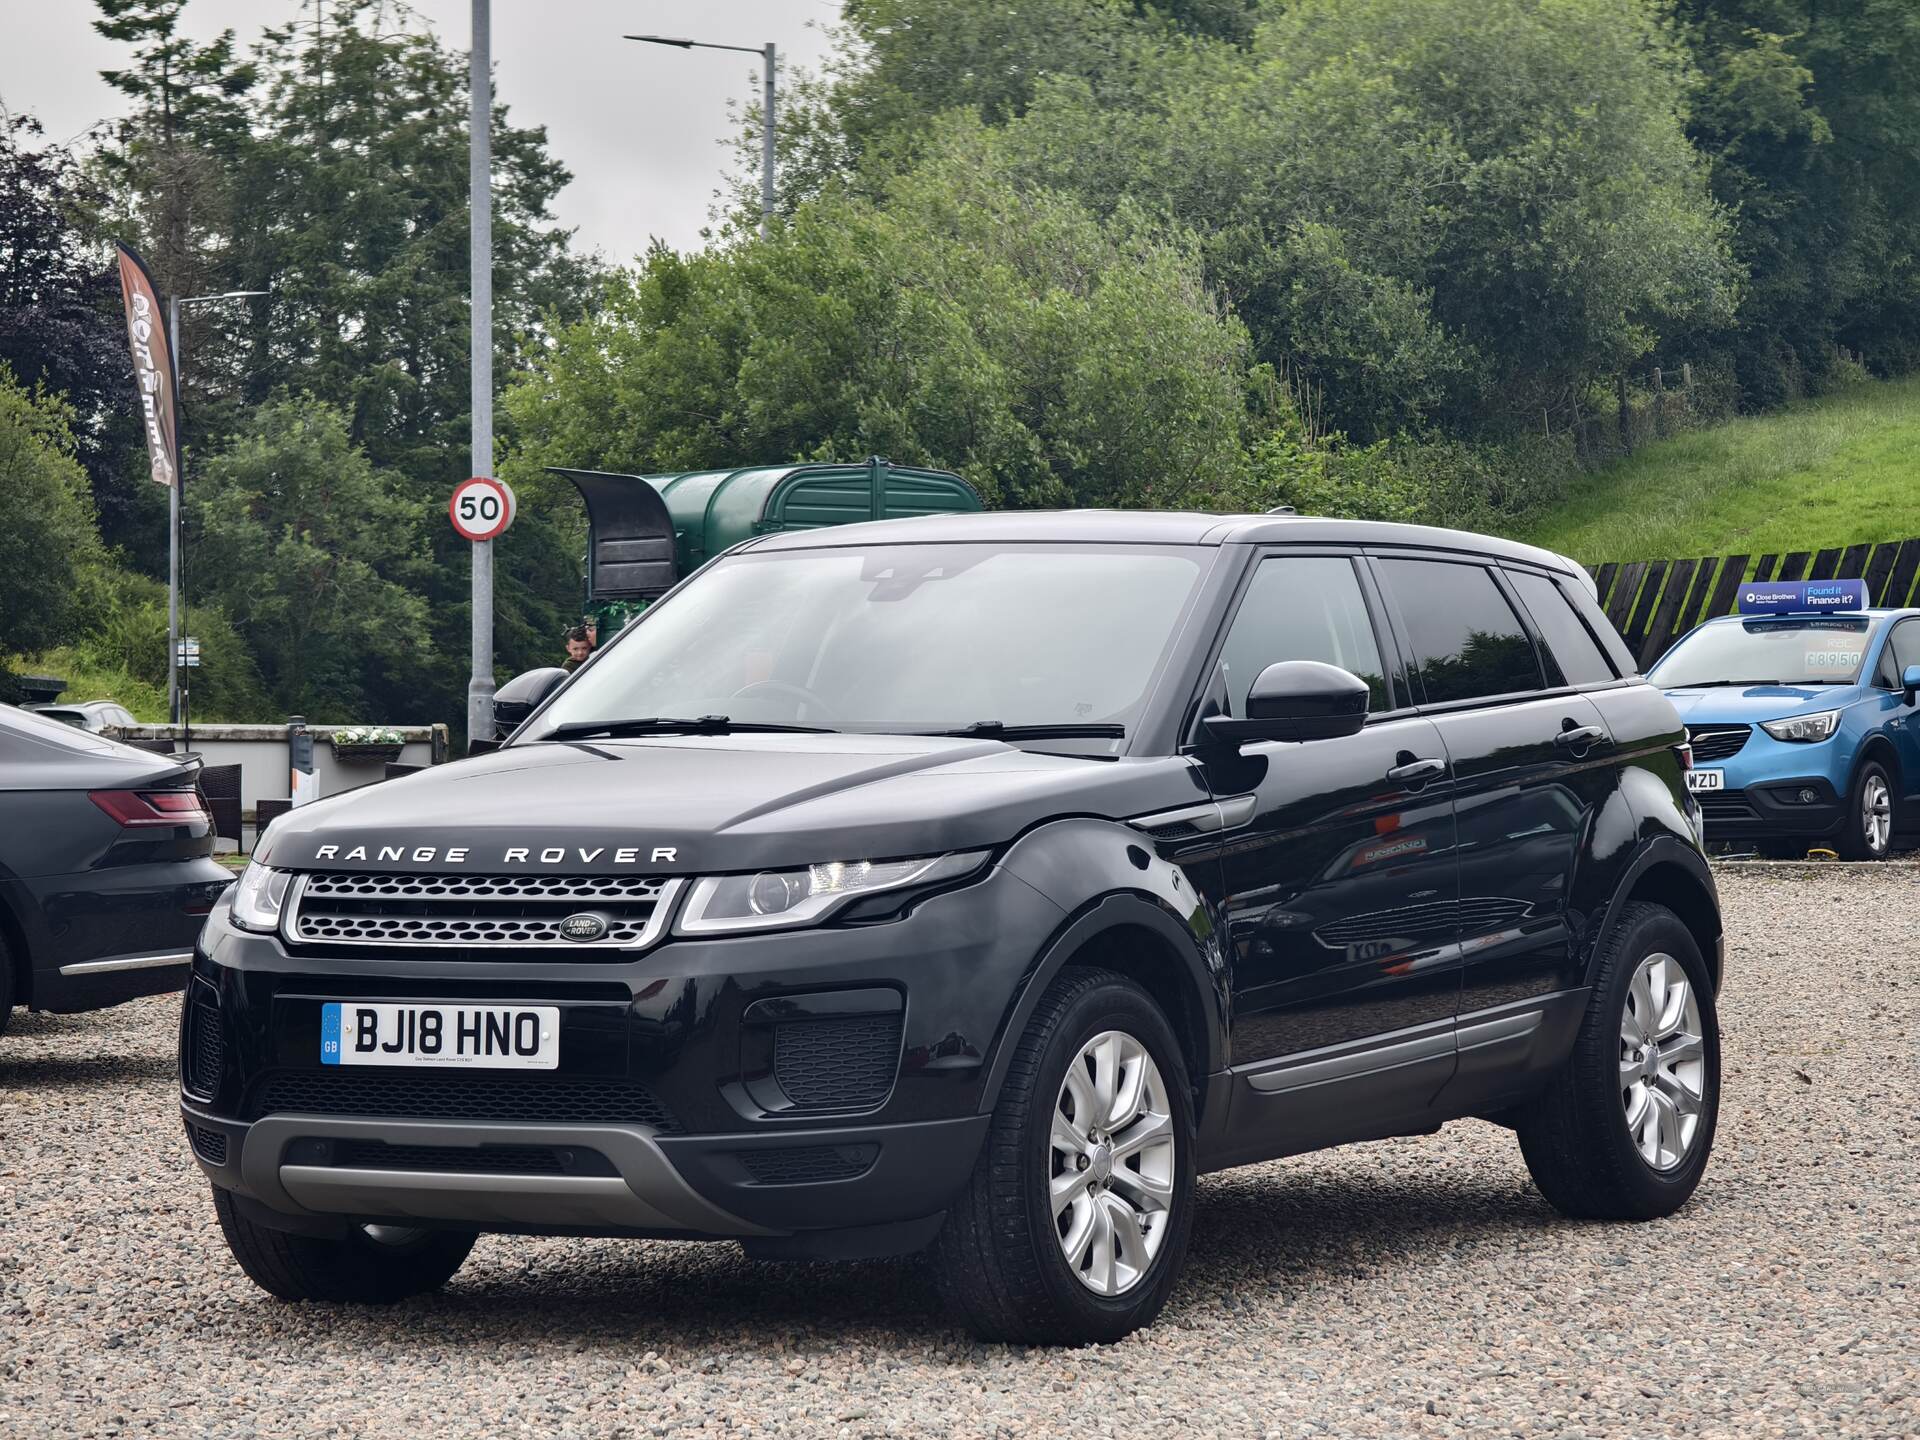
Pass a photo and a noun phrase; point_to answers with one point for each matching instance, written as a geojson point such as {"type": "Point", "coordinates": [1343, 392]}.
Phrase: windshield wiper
{"type": "Point", "coordinates": [672, 725]}
{"type": "Point", "coordinates": [1000, 730]}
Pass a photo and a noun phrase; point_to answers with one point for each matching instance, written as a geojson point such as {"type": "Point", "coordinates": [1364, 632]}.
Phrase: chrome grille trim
{"type": "Point", "coordinates": [506, 889]}
{"type": "Point", "coordinates": [425, 927]}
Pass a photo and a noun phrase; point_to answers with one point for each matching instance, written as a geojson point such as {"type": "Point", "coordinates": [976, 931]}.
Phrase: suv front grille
{"type": "Point", "coordinates": [467, 911]}
{"type": "Point", "coordinates": [465, 1095]}
{"type": "Point", "coordinates": [1716, 742]}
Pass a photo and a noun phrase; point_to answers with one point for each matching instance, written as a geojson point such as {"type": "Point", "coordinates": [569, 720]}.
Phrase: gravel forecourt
{"type": "Point", "coordinates": [1406, 1288]}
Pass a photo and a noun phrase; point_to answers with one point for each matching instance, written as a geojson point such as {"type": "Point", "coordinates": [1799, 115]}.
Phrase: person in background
{"type": "Point", "coordinates": [579, 647]}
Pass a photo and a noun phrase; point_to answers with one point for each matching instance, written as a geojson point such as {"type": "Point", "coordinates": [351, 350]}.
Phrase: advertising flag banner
{"type": "Point", "coordinates": [152, 367]}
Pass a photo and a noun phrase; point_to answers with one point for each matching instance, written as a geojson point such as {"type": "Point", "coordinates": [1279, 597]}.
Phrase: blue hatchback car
{"type": "Point", "coordinates": [1804, 726]}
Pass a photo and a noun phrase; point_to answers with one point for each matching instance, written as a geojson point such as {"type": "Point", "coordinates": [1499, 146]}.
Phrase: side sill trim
{"type": "Point", "coordinates": [1365, 1059]}
{"type": "Point", "coordinates": [127, 962]}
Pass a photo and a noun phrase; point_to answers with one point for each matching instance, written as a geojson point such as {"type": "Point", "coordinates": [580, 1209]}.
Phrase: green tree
{"type": "Point", "coordinates": [317, 555]}
{"type": "Point", "coordinates": [48, 548]}
{"type": "Point", "coordinates": [964, 321]}
{"type": "Point", "coordinates": [1812, 118]}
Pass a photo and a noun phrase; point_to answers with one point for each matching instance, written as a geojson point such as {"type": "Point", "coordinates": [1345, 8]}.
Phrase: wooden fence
{"type": "Point", "coordinates": [1654, 602]}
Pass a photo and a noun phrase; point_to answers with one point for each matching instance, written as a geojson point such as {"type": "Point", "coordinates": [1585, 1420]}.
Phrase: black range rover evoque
{"type": "Point", "coordinates": [974, 883]}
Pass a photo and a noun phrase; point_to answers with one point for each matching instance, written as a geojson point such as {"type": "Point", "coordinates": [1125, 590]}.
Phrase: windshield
{"type": "Point", "coordinates": [1766, 652]}
{"type": "Point", "coordinates": [901, 638]}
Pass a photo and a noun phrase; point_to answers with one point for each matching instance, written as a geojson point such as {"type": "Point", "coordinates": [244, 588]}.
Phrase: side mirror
{"type": "Point", "coordinates": [522, 695]}
{"type": "Point", "coordinates": [1297, 700]}
{"type": "Point", "coordinates": [1910, 681]}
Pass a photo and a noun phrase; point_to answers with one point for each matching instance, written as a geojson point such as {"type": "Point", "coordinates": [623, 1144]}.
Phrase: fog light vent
{"type": "Point", "coordinates": [845, 1062]}
{"type": "Point", "coordinates": [205, 1048]}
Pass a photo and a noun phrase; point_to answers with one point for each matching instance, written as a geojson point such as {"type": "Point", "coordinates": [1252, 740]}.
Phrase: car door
{"type": "Point", "coordinates": [1898, 720]}
{"type": "Point", "coordinates": [1340, 891]}
{"type": "Point", "coordinates": [1533, 764]}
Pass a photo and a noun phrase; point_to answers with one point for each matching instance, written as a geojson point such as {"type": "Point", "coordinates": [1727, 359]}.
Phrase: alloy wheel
{"type": "Point", "coordinates": [1111, 1175]}
{"type": "Point", "coordinates": [1876, 813]}
{"type": "Point", "coordinates": [1663, 1062]}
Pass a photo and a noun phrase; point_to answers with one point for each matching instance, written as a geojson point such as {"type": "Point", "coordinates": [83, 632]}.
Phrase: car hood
{"type": "Point", "coordinates": [692, 804]}
{"type": "Point", "coordinates": [1750, 704]}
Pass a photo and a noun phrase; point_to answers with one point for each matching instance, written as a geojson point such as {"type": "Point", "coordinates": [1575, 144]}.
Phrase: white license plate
{"type": "Point", "coordinates": [481, 1037]}
{"type": "Point", "coordinates": [1706, 780]}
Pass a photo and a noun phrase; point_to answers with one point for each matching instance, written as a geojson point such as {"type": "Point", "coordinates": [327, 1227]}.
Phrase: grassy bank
{"type": "Point", "coordinates": [1834, 471]}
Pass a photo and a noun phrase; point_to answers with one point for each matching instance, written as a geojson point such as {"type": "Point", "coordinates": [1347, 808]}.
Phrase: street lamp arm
{"type": "Point", "coordinates": [680, 44]}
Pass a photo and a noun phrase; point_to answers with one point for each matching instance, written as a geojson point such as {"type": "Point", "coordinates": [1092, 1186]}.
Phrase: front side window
{"type": "Point", "coordinates": [1789, 651]}
{"type": "Point", "coordinates": [902, 638]}
{"type": "Point", "coordinates": [1905, 644]}
{"type": "Point", "coordinates": [1467, 642]}
{"type": "Point", "coordinates": [1302, 607]}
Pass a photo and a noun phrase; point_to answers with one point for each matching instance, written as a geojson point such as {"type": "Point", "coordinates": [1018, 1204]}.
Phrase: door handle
{"type": "Point", "coordinates": [1413, 771]}
{"type": "Point", "coordinates": [1579, 737]}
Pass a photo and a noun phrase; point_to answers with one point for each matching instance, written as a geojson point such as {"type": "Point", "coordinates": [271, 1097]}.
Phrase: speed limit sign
{"type": "Point", "coordinates": [480, 508]}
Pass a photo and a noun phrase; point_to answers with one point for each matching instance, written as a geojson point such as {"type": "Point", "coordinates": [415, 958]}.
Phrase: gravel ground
{"type": "Point", "coordinates": [1408, 1288]}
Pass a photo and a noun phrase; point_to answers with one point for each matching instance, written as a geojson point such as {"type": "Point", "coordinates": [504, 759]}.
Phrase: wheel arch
{"type": "Point", "coordinates": [1676, 877]}
{"type": "Point", "coordinates": [1878, 747]}
{"type": "Point", "coordinates": [1133, 936]}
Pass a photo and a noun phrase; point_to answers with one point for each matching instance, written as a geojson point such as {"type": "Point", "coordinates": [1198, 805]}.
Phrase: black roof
{"type": "Point", "coordinates": [1154, 527]}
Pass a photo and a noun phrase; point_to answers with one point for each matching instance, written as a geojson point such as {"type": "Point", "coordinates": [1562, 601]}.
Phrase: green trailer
{"type": "Point", "coordinates": [647, 531]}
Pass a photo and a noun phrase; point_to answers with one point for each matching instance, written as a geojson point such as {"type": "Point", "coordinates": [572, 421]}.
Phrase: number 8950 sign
{"type": "Point", "coordinates": [480, 508]}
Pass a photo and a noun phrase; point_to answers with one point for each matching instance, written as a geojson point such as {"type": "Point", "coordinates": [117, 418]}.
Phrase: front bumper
{"type": "Point", "coordinates": [1773, 807]}
{"type": "Point", "coordinates": [670, 1113]}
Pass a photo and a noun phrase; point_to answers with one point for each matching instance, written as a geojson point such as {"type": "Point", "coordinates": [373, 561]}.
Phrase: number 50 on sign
{"type": "Point", "coordinates": [480, 508]}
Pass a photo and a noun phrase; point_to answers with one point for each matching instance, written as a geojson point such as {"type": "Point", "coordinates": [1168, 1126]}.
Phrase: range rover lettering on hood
{"type": "Point", "coordinates": [515, 854]}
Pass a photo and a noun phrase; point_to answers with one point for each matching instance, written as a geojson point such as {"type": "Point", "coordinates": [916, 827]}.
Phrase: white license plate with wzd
{"type": "Point", "coordinates": [1706, 780]}
{"type": "Point", "coordinates": [499, 1037]}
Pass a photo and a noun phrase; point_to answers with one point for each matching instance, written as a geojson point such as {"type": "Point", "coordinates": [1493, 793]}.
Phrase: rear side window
{"type": "Point", "coordinates": [1571, 649]}
{"type": "Point", "coordinates": [1301, 607]}
{"type": "Point", "coordinates": [1467, 642]}
{"type": "Point", "coordinates": [1589, 610]}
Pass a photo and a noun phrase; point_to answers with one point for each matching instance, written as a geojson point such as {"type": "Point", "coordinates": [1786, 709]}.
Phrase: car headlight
{"type": "Point", "coordinates": [775, 899]}
{"type": "Point", "coordinates": [1818, 726]}
{"type": "Point", "coordinates": [258, 896]}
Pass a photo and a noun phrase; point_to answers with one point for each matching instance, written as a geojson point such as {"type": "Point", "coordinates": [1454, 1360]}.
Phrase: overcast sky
{"type": "Point", "coordinates": [640, 126]}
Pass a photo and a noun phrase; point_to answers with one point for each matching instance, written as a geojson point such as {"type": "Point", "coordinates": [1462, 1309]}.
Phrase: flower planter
{"type": "Point", "coordinates": [366, 754]}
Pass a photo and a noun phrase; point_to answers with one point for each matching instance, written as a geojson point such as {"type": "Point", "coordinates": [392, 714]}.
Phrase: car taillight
{"type": "Point", "coordinates": [1685, 751]}
{"type": "Point", "coordinates": [132, 808]}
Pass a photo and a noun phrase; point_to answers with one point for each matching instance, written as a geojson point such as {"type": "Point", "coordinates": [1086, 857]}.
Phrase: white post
{"type": "Point", "coordinates": [480, 202]}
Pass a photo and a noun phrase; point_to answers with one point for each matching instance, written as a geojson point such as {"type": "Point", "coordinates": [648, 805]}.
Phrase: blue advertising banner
{"type": "Point", "coordinates": [1802, 597]}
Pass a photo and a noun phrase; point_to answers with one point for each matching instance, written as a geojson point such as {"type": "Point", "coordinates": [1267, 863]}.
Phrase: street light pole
{"type": "Point", "coordinates": [766, 143]}
{"type": "Point", "coordinates": [480, 279]}
{"type": "Point", "coordinates": [769, 86]}
{"type": "Point", "coordinates": [174, 601]}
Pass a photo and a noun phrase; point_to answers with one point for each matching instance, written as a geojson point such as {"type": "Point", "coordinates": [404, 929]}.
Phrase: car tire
{"type": "Point", "coordinates": [1587, 1135]}
{"type": "Point", "coordinates": [1872, 814]}
{"type": "Point", "coordinates": [358, 1267]}
{"type": "Point", "coordinates": [1002, 1259]}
